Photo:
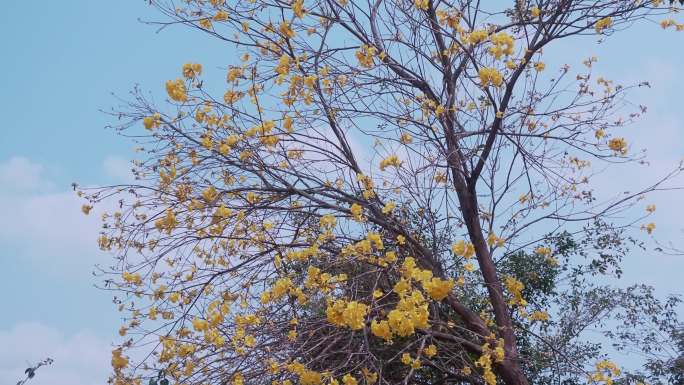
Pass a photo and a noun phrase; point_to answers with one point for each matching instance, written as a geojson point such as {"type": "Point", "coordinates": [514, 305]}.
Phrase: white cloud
{"type": "Point", "coordinates": [79, 359]}
{"type": "Point", "coordinates": [19, 174]}
{"type": "Point", "coordinates": [44, 225]}
{"type": "Point", "coordinates": [117, 168]}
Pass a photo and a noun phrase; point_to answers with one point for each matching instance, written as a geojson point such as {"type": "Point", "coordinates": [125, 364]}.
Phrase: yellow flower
{"type": "Point", "coordinates": [459, 247]}
{"type": "Point", "coordinates": [535, 12]}
{"type": "Point", "coordinates": [649, 227]}
{"type": "Point", "coordinates": [391, 160]}
{"type": "Point", "coordinates": [357, 212]}
{"type": "Point", "coordinates": [237, 379]}
{"type": "Point", "coordinates": [298, 8]}
{"type": "Point", "coordinates": [348, 379]}
{"type": "Point", "coordinates": [430, 351]}
{"type": "Point", "coordinates": [618, 145]}
{"type": "Point", "coordinates": [286, 30]}
{"type": "Point", "coordinates": [406, 359]}
{"type": "Point", "coordinates": [370, 377]}
{"type": "Point", "coordinates": [381, 329]}
{"type": "Point", "coordinates": [388, 207]}
{"type": "Point", "coordinates": [205, 23]}
{"type": "Point", "coordinates": [176, 90]}
{"type": "Point", "coordinates": [192, 70]}
{"type": "Point", "coordinates": [438, 289]}
{"type": "Point", "coordinates": [539, 316]}
{"type": "Point", "coordinates": [423, 5]}
{"type": "Point", "coordinates": [354, 315]}
{"type": "Point", "coordinates": [210, 194]}
{"type": "Point", "coordinates": [132, 278]}
{"type": "Point", "coordinates": [328, 221]}
{"type": "Point", "coordinates": [477, 36]}
{"type": "Point", "coordinates": [85, 209]}
{"type": "Point", "coordinates": [539, 66]}
{"type": "Point", "coordinates": [503, 45]}
{"type": "Point", "coordinates": [490, 75]}
{"type": "Point", "coordinates": [602, 24]}
{"type": "Point", "coordinates": [365, 55]}
{"type": "Point", "coordinates": [405, 138]}
{"type": "Point", "coordinates": [221, 15]}
{"type": "Point", "coordinates": [199, 324]}
{"type": "Point", "coordinates": [151, 122]}
{"type": "Point", "coordinates": [118, 360]}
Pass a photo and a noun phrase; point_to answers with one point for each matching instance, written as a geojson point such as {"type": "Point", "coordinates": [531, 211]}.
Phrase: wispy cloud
{"type": "Point", "coordinates": [80, 359]}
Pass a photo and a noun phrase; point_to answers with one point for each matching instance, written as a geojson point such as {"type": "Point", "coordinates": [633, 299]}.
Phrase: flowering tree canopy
{"type": "Point", "coordinates": [385, 192]}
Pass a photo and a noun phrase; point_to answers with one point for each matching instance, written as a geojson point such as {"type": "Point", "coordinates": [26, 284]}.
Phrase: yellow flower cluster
{"type": "Point", "coordinates": [176, 90]}
{"type": "Point", "coordinates": [423, 5]}
{"type": "Point", "coordinates": [477, 36]}
{"type": "Point", "coordinates": [281, 287]}
{"type": "Point", "coordinates": [388, 208]}
{"type": "Point", "coordinates": [414, 363]}
{"type": "Point", "coordinates": [298, 8]}
{"type": "Point", "coordinates": [150, 122]}
{"type": "Point", "coordinates": [450, 17]}
{"type": "Point", "coordinates": [167, 223]}
{"type": "Point", "coordinates": [502, 45]}
{"type": "Point", "coordinates": [492, 240]}
{"type": "Point", "coordinates": [391, 160]}
{"type": "Point", "coordinates": [350, 314]}
{"type": "Point", "coordinates": [490, 76]}
{"type": "Point", "coordinates": [134, 279]}
{"type": "Point", "coordinates": [357, 212]}
{"type": "Point", "coordinates": [411, 312]}
{"type": "Point", "coordinates": [605, 371]}
{"type": "Point", "coordinates": [438, 289]}
{"type": "Point", "coordinates": [286, 30]}
{"type": "Point", "coordinates": [463, 249]}
{"type": "Point", "coordinates": [648, 227]}
{"type": "Point", "coordinates": [366, 55]}
{"type": "Point", "coordinates": [515, 287]}
{"type": "Point", "coordinates": [618, 145]}
{"type": "Point", "coordinates": [486, 360]}
{"type": "Point", "coordinates": [405, 138]}
{"type": "Point", "coordinates": [192, 70]}
{"type": "Point", "coordinates": [535, 12]}
{"type": "Point", "coordinates": [306, 376]}
{"type": "Point", "coordinates": [221, 15]}
{"type": "Point", "coordinates": [602, 24]}
{"type": "Point", "coordinates": [118, 360]}
{"type": "Point", "coordinates": [539, 315]}
{"type": "Point", "coordinates": [283, 67]}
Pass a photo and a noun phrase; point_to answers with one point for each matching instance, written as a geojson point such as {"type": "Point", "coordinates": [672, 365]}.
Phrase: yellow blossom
{"type": "Point", "coordinates": [176, 90]}
{"type": "Point", "coordinates": [490, 76]}
{"type": "Point", "coordinates": [191, 70]}
{"type": "Point", "coordinates": [535, 12]}
{"type": "Point", "coordinates": [602, 24]}
{"type": "Point", "coordinates": [618, 145]}
{"type": "Point", "coordinates": [118, 360]}
{"type": "Point", "coordinates": [381, 329]}
{"type": "Point", "coordinates": [357, 212]}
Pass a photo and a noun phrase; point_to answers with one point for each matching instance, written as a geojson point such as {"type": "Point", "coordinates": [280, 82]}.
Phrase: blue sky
{"type": "Point", "coordinates": [61, 63]}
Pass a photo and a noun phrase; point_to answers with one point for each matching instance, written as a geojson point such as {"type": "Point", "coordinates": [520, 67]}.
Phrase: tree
{"type": "Point", "coordinates": [387, 192]}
